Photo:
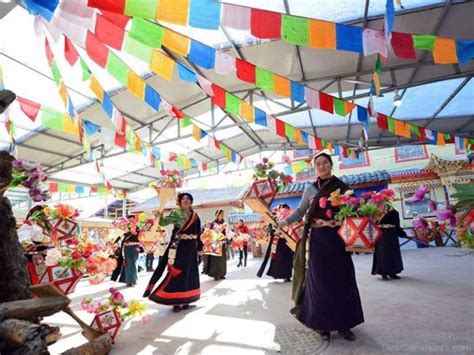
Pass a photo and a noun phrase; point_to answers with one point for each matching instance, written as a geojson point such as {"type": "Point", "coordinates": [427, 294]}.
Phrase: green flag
{"type": "Point", "coordinates": [62, 188]}
{"type": "Point", "coordinates": [378, 65]}
{"type": "Point", "coordinates": [117, 68]}
{"type": "Point", "coordinates": [185, 122]}
{"type": "Point", "coordinates": [51, 118]}
{"type": "Point", "coordinates": [424, 42]}
{"type": "Point", "coordinates": [391, 124]}
{"type": "Point", "coordinates": [289, 131]}
{"type": "Point", "coordinates": [86, 74]}
{"type": "Point", "coordinates": [147, 32]}
{"type": "Point", "coordinates": [264, 79]}
{"type": "Point", "coordinates": [141, 8]}
{"type": "Point", "coordinates": [55, 72]}
{"type": "Point", "coordinates": [295, 30]}
{"type": "Point", "coordinates": [415, 130]}
{"type": "Point", "coordinates": [339, 107]}
{"type": "Point", "coordinates": [137, 48]}
{"type": "Point", "coordinates": [232, 103]}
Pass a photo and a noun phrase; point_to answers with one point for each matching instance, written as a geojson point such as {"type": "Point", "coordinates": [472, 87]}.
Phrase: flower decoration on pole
{"type": "Point", "coordinates": [110, 315]}
{"type": "Point", "coordinates": [166, 186]}
{"type": "Point", "coordinates": [32, 177]}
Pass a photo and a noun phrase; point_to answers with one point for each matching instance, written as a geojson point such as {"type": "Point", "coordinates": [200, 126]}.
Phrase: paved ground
{"type": "Point", "coordinates": [430, 310]}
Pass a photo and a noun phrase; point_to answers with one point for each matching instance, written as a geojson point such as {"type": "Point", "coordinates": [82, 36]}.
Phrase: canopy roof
{"type": "Point", "coordinates": [438, 97]}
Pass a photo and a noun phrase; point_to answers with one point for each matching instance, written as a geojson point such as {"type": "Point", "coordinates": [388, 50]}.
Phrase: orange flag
{"type": "Point", "coordinates": [162, 65]}
{"type": "Point", "coordinates": [444, 51]}
{"type": "Point", "coordinates": [176, 42]}
{"type": "Point", "coordinates": [173, 11]}
{"type": "Point", "coordinates": [322, 34]}
{"type": "Point", "coordinates": [281, 86]}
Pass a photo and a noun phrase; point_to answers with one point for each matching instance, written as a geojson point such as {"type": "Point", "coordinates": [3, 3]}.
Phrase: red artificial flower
{"type": "Point", "coordinates": [76, 255]}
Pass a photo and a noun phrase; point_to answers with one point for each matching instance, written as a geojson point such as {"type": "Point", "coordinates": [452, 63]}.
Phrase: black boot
{"type": "Point", "coordinates": [385, 277]}
{"type": "Point", "coordinates": [176, 309]}
{"type": "Point", "coordinates": [347, 334]}
{"type": "Point", "coordinates": [394, 277]}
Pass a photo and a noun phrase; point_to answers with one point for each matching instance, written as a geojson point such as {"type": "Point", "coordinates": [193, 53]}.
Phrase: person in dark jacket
{"type": "Point", "coordinates": [325, 292]}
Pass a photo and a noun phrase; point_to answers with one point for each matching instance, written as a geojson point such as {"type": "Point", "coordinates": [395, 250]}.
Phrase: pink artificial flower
{"type": "Point", "coordinates": [145, 319]}
{"type": "Point", "coordinates": [323, 201]}
{"type": "Point", "coordinates": [388, 192]}
{"type": "Point", "coordinates": [52, 257]}
{"type": "Point", "coordinates": [265, 160]}
{"type": "Point", "coordinates": [419, 195]}
{"type": "Point", "coordinates": [353, 201]}
{"type": "Point", "coordinates": [378, 198]}
{"type": "Point", "coordinates": [328, 213]}
{"type": "Point", "coordinates": [432, 205]}
{"type": "Point", "coordinates": [286, 159]}
{"type": "Point", "coordinates": [76, 255]}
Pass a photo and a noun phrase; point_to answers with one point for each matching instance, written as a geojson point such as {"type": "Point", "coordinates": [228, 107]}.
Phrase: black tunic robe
{"type": "Point", "coordinates": [181, 284]}
{"type": "Point", "coordinates": [331, 299]}
{"type": "Point", "coordinates": [281, 262]}
{"type": "Point", "coordinates": [387, 256]}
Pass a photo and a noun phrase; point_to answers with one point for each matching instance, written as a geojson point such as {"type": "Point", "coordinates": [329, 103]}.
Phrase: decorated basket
{"type": "Point", "coordinates": [108, 321]}
{"type": "Point", "coordinates": [359, 234]}
{"type": "Point", "coordinates": [212, 242]}
{"type": "Point", "coordinates": [63, 278]}
{"type": "Point", "coordinates": [295, 230]}
{"type": "Point", "coordinates": [264, 189]}
{"type": "Point", "coordinates": [63, 228]}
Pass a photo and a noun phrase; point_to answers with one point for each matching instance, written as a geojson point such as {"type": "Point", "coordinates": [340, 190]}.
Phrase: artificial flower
{"type": "Point", "coordinates": [323, 201]}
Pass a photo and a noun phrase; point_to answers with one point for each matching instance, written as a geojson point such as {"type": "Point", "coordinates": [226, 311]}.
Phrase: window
{"type": "Point", "coordinates": [302, 153]}
{"type": "Point", "coordinates": [410, 153]}
{"type": "Point", "coordinates": [349, 162]}
{"type": "Point", "coordinates": [422, 208]}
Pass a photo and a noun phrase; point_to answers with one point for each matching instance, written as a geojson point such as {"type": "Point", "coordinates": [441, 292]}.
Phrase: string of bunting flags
{"type": "Point", "coordinates": [149, 33]}
{"type": "Point", "coordinates": [78, 189]}
{"type": "Point", "coordinates": [164, 65]}
{"type": "Point", "coordinates": [297, 30]}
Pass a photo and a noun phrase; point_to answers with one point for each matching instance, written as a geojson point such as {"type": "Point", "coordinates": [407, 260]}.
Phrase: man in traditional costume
{"type": "Point", "coordinates": [325, 293]}
{"type": "Point", "coordinates": [180, 286]}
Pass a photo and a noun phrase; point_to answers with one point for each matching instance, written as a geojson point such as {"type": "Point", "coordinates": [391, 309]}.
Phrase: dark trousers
{"type": "Point", "coordinates": [149, 261]}
{"type": "Point", "coordinates": [243, 254]}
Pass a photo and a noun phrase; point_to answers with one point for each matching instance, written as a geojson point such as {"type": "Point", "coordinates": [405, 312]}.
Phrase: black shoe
{"type": "Point", "coordinates": [385, 277]}
{"type": "Point", "coordinates": [222, 277]}
{"type": "Point", "coordinates": [326, 336]}
{"type": "Point", "coordinates": [176, 309]}
{"type": "Point", "coordinates": [395, 277]}
{"type": "Point", "coordinates": [216, 278]}
{"type": "Point", "coordinates": [288, 280]}
{"type": "Point", "coordinates": [347, 334]}
{"type": "Point", "coordinates": [239, 265]}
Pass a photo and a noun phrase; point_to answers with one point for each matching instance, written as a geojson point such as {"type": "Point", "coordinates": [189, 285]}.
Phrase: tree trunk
{"type": "Point", "coordinates": [14, 276]}
{"type": "Point", "coordinates": [98, 346]}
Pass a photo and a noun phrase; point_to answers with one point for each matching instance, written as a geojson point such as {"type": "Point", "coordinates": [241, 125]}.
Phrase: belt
{"type": "Point", "coordinates": [131, 243]}
{"type": "Point", "coordinates": [319, 223]}
{"type": "Point", "coordinates": [386, 225]}
{"type": "Point", "coordinates": [187, 236]}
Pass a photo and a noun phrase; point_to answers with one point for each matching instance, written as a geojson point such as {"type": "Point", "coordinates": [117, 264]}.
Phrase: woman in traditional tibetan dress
{"type": "Point", "coordinates": [387, 256]}
{"type": "Point", "coordinates": [180, 287]}
{"type": "Point", "coordinates": [325, 293]}
{"type": "Point", "coordinates": [281, 256]}
{"type": "Point", "coordinates": [216, 266]}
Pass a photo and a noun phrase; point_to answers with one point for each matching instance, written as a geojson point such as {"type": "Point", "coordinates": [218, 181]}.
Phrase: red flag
{"type": "Point", "coordinates": [120, 140]}
{"type": "Point", "coordinates": [402, 44]}
{"type": "Point", "coordinates": [219, 96]}
{"type": "Point", "coordinates": [109, 33]}
{"type": "Point", "coordinates": [326, 102]}
{"type": "Point", "coordinates": [53, 187]}
{"type": "Point", "coordinates": [109, 185]}
{"type": "Point", "coordinates": [265, 24]}
{"type": "Point", "coordinates": [173, 157]}
{"type": "Point", "coordinates": [245, 71]}
{"type": "Point", "coordinates": [280, 127]}
{"type": "Point", "coordinates": [422, 134]}
{"type": "Point", "coordinates": [119, 19]}
{"type": "Point", "coordinates": [382, 122]}
{"type": "Point", "coordinates": [319, 144]}
{"type": "Point", "coordinates": [49, 54]}
{"type": "Point", "coordinates": [109, 5]}
{"type": "Point", "coordinates": [94, 189]}
{"type": "Point", "coordinates": [29, 108]}
{"type": "Point", "coordinates": [96, 50]}
{"type": "Point", "coordinates": [70, 52]}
